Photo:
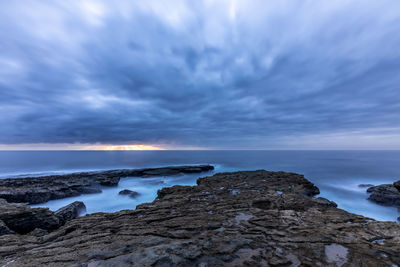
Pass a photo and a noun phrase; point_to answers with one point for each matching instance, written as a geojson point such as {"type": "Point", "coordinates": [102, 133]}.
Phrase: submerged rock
{"type": "Point", "coordinates": [34, 190]}
{"type": "Point", "coordinates": [365, 185]}
{"type": "Point", "coordinates": [207, 225]}
{"type": "Point", "coordinates": [128, 192]}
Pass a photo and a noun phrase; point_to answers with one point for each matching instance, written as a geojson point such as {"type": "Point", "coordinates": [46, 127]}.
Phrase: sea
{"type": "Point", "coordinates": [338, 174]}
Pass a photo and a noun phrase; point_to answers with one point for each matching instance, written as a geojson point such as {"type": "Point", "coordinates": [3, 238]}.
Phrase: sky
{"type": "Point", "coordinates": [225, 74]}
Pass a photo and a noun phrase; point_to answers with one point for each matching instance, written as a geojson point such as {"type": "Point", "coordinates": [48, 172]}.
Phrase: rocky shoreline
{"type": "Point", "coordinates": [16, 217]}
{"type": "Point", "coordinates": [255, 218]}
{"type": "Point", "coordinates": [386, 195]}
{"type": "Point", "coordinates": [35, 190]}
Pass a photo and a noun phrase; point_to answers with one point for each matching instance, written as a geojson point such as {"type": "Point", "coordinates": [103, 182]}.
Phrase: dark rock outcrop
{"type": "Point", "coordinates": [385, 194]}
{"type": "Point", "coordinates": [397, 185]}
{"type": "Point", "coordinates": [256, 218]}
{"type": "Point", "coordinates": [4, 230]}
{"type": "Point", "coordinates": [19, 218]}
{"type": "Point", "coordinates": [365, 185]}
{"type": "Point", "coordinates": [34, 190]}
{"type": "Point", "coordinates": [128, 192]}
{"type": "Point", "coordinates": [22, 219]}
{"type": "Point", "coordinates": [70, 211]}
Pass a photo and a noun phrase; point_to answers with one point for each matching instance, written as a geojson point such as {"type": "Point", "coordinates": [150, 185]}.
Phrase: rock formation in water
{"type": "Point", "coordinates": [70, 211]}
{"type": "Point", "coordinates": [34, 190]}
{"type": "Point", "coordinates": [129, 193]}
{"type": "Point", "coordinates": [365, 185]}
{"type": "Point", "coordinates": [385, 194]}
{"type": "Point", "coordinates": [397, 185]}
{"type": "Point", "coordinates": [255, 218]}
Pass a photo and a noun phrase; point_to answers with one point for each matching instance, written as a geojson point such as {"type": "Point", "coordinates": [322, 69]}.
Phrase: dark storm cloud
{"type": "Point", "coordinates": [218, 74]}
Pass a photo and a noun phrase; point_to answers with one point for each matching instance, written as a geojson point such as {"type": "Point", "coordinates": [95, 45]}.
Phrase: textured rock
{"type": "Point", "coordinates": [21, 219]}
{"type": "Point", "coordinates": [70, 211]}
{"type": "Point", "coordinates": [34, 190]}
{"type": "Point", "coordinates": [397, 185]}
{"type": "Point", "coordinates": [385, 194]}
{"type": "Point", "coordinates": [128, 192]}
{"type": "Point", "coordinates": [254, 218]}
{"type": "Point", "coordinates": [4, 230]}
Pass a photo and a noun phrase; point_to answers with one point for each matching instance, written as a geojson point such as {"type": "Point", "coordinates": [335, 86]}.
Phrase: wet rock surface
{"type": "Point", "coordinates": [19, 218]}
{"type": "Point", "coordinates": [385, 194]}
{"type": "Point", "coordinates": [71, 211]}
{"type": "Point", "coordinates": [365, 185]}
{"type": "Point", "coordinates": [397, 185]}
{"type": "Point", "coordinates": [34, 190]}
{"type": "Point", "coordinates": [256, 218]}
{"type": "Point", "coordinates": [129, 193]}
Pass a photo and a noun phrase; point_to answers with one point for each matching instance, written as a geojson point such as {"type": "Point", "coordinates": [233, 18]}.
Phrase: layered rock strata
{"type": "Point", "coordinates": [35, 190]}
{"type": "Point", "coordinates": [18, 218]}
{"type": "Point", "coordinates": [256, 218]}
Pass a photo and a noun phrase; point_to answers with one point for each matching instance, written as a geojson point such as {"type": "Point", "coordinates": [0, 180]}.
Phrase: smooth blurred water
{"type": "Point", "coordinates": [336, 173]}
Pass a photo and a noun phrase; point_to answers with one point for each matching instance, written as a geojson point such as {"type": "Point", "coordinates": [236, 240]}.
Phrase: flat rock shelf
{"type": "Point", "coordinates": [252, 218]}
{"type": "Point", "coordinates": [35, 190]}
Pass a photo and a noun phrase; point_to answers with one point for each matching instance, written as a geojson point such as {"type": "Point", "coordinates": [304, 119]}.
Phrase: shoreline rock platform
{"type": "Point", "coordinates": [250, 218]}
{"type": "Point", "coordinates": [35, 190]}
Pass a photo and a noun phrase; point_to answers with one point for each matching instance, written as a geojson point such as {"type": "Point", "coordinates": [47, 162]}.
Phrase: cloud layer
{"type": "Point", "coordinates": [214, 74]}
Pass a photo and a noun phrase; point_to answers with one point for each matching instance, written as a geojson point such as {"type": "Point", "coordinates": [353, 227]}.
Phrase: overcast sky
{"type": "Point", "coordinates": [201, 74]}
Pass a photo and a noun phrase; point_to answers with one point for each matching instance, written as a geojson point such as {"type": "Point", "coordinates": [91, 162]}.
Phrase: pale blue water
{"type": "Point", "coordinates": [336, 173]}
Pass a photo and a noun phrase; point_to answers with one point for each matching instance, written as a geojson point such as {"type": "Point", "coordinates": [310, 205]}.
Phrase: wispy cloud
{"type": "Point", "coordinates": [222, 74]}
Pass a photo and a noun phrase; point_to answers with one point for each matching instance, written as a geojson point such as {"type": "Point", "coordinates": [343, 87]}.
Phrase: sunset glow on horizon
{"type": "Point", "coordinates": [130, 147]}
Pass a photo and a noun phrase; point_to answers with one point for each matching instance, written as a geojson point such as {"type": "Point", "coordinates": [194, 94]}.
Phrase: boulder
{"type": "Point", "coordinates": [365, 185]}
{"type": "Point", "coordinates": [19, 218]}
{"type": "Point", "coordinates": [385, 194]}
{"type": "Point", "coordinates": [22, 219]}
{"type": "Point", "coordinates": [71, 211]}
{"type": "Point", "coordinates": [128, 192]}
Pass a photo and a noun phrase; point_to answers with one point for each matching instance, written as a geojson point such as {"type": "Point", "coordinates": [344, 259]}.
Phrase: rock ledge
{"type": "Point", "coordinates": [35, 190]}
{"type": "Point", "coordinates": [255, 218]}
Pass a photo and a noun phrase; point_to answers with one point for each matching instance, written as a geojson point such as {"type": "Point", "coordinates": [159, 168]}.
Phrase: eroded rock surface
{"type": "Point", "coordinates": [385, 194]}
{"type": "Point", "coordinates": [71, 211]}
{"type": "Point", "coordinates": [34, 190]}
{"type": "Point", "coordinates": [19, 218]}
{"type": "Point", "coordinates": [256, 218]}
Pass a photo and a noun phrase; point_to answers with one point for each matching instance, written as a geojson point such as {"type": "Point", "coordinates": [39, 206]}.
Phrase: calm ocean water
{"type": "Point", "coordinates": [336, 173]}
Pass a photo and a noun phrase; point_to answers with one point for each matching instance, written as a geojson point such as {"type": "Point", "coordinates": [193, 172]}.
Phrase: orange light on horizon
{"type": "Point", "coordinates": [130, 147]}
